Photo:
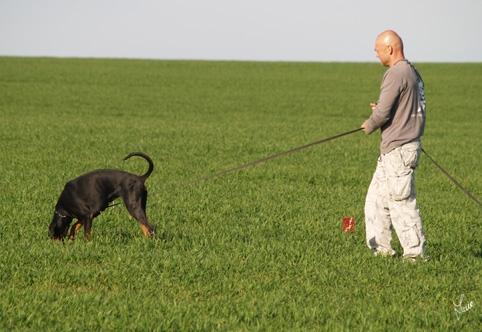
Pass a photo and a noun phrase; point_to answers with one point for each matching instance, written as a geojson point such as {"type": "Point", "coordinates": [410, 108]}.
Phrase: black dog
{"type": "Point", "coordinates": [85, 197]}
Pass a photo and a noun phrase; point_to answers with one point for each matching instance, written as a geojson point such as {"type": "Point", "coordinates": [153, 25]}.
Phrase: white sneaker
{"type": "Point", "coordinates": [384, 253]}
{"type": "Point", "coordinates": [413, 259]}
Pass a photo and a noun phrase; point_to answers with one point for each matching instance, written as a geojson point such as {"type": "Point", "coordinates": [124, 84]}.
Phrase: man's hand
{"type": "Point", "coordinates": [363, 126]}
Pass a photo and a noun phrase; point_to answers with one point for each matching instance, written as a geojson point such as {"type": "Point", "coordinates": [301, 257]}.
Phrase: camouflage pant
{"type": "Point", "coordinates": [391, 202]}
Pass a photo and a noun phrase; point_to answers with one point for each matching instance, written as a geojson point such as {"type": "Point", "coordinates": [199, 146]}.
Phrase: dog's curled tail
{"type": "Point", "coordinates": [149, 160]}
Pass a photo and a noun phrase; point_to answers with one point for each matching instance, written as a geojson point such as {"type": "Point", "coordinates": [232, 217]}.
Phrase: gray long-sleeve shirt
{"type": "Point", "coordinates": [400, 110]}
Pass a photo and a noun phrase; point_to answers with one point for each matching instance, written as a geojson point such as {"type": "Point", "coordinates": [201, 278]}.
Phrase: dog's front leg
{"type": "Point", "coordinates": [74, 229]}
{"type": "Point", "coordinates": [87, 227]}
{"type": "Point", "coordinates": [66, 229]}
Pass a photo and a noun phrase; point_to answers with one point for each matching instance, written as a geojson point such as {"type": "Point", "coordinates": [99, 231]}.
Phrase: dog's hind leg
{"type": "Point", "coordinates": [147, 228]}
{"type": "Point", "coordinates": [137, 209]}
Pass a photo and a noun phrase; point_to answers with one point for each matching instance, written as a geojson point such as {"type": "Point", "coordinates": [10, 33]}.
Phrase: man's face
{"type": "Point", "coordinates": [383, 52]}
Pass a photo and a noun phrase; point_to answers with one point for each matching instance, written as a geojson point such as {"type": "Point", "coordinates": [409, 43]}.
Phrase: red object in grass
{"type": "Point", "coordinates": [348, 224]}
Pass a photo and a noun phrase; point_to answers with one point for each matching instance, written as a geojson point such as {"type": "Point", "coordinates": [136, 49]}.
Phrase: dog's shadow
{"type": "Point", "coordinates": [478, 253]}
{"type": "Point", "coordinates": [123, 237]}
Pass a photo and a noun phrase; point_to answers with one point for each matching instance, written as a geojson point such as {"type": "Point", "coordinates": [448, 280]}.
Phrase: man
{"type": "Point", "coordinates": [400, 114]}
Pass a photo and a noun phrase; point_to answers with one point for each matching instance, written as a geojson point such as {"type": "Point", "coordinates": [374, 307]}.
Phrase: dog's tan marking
{"type": "Point", "coordinates": [74, 229]}
{"type": "Point", "coordinates": [145, 231]}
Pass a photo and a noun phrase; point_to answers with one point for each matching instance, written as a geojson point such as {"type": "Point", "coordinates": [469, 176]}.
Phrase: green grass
{"type": "Point", "coordinates": [256, 249]}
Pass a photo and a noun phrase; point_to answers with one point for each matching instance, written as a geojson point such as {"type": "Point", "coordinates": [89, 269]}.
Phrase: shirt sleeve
{"type": "Point", "coordinates": [389, 93]}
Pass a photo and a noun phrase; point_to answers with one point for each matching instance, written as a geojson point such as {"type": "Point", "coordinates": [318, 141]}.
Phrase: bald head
{"type": "Point", "coordinates": [389, 48]}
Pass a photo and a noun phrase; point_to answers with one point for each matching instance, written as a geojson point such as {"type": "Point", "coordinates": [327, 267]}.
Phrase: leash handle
{"type": "Point", "coordinates": [453, 180]}
{"type": "Point", "coordinates": [265, 159]}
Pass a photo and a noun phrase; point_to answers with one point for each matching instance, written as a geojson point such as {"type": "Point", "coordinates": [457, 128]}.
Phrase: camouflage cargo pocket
{"type": "Point", "coordinates": [399, 174]}
{"type": "Point", "coordinates": [400, 186]}
{"type": "Point", "coordinates": [411, 237]}
{"type": "Point", "coordinates": [410, 153]}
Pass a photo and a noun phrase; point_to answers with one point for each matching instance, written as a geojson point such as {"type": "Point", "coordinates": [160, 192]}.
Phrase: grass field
{"type": "Point", "coordinates": [256, 249]}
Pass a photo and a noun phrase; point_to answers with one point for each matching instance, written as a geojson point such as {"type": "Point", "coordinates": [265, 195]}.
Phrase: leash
{"type": "Point", "coordinates": [453, 180]}
{"type": "Point", "coordinates": [305, 147]}
{"type": "Point", "coordinates": [265, 159]}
